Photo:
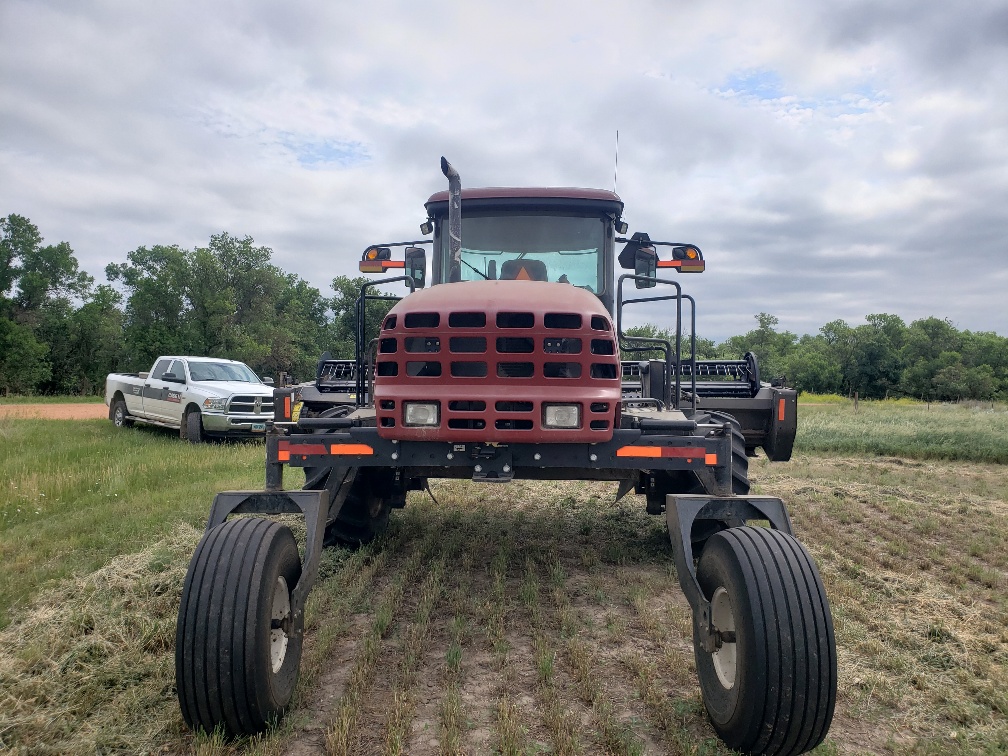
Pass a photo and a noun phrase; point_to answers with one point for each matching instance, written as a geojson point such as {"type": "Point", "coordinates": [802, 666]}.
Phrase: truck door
{"type": "Point", "coordinates": [155, 392]}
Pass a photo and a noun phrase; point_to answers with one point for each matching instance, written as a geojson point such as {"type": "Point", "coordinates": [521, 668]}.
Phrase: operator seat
{"type": "Point", "coordinates": [523, 269]}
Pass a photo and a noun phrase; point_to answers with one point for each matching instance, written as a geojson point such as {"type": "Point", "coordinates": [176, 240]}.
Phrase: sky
{"type": "Point", "coordinates": [831, 159]}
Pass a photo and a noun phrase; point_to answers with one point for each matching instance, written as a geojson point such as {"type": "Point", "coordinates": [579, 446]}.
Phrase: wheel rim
{"type": "Point", "coordinates": [723, 620]}
{"type": "Point", "coordinates": [278, 633]}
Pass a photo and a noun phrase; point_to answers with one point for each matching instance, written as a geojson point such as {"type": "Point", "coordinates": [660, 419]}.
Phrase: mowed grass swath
{"type": "Point", "coordinates": [531, 617]}
{"type": "Point", "coordinates": [74, 494]}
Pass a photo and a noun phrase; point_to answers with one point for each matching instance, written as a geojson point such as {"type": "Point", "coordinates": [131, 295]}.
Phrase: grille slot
{"type": "Point", "coordinates": [562, 370]}
{"type": "Point", "coordinates": [470, 344]}
{"type": "Point", "coordinates": [570, 320]}
{"type": "Point", "coordinates": [388, 346]}
{"type": "Point", "coordinates": [513, 406]}
{"type": "Point", "coordinates": [390, 322]}
{"type": "Point", "coordinates": [473, 405]}
{"type": "Point", "coordinates": [602, 346]}
{"type": "Point", "coordinates": [469, 369]}
{"type": "Point", "coordinates": [565, 345]}
{"type": "Point", "coordinates": [467, 320]}
{"type": "Point", "coordinates": [599, 323]}
{"type": "Point", "coordinates": [387, 369]}
{"type": "Point", "coordinates": [603, 371]}
{"type": "Point", "coordinates": [514, 424]}
{"type": "Point", "coordinates": [422, 320]}
{"type": "Point", "coordinates": [515, 345]}
{"type": "Point", "coordinates": [515, 369]}
{"type": "Point", "coordinates": [422, 343]}
{"type": "Point", "coordinates": [423, 369]}
{"type": "Point", "coordinates": [467, 423]}
{"type": "Point", "coordinates": [515, 320]}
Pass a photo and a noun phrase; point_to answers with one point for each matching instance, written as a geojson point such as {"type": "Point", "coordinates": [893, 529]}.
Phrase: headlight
{"type": "Point", "coordinates": [562, 415]}
{"type": "Point", "coordinates": [215, 403]}
{"type": "Point", "coordinates": [421, 413]}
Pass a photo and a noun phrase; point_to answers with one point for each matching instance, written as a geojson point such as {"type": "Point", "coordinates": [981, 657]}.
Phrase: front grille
{"type": "Point", "coordinates": [246, 405]}
{"type": "Point", "coordinates": [517, 360]}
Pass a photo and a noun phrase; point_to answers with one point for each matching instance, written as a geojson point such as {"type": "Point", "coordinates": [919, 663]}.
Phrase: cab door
{"type": "Point", "coordinates": [156, 392]}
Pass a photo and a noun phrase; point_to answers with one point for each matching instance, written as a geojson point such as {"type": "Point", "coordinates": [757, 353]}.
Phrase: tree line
{"type": "Point", "coordinates": [61, 332]}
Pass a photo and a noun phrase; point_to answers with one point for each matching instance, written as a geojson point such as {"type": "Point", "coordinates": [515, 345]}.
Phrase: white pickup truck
{"type": "Point", "coordinates": [200, 396]}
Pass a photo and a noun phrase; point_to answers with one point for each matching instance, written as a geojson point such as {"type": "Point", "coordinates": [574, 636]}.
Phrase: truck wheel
{"type": "Point", "coordinates": [363, 517]}
{"type": "Point", "coordinates": [772, 690]}
{"type": "Point", "coordinates": [236, 658]}
{"type": "Point", "coordinates": [118, 414]}
{"type": "Point", "coordinates": [192, 426]}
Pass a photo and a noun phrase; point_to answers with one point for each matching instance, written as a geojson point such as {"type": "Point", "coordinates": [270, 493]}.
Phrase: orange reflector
{"type": "Point", "coordinates": [350, 449]}
{"type": "Point", "coordinates": [287, 408]}
{"type": "Point", "coordinates": [639, 451]}
{"type": "Point", "coordinates": [669, 264]}
{"type": "Point", "coordinates": [710, 459]}
{"type": "Point", "coordinates": [386, 264]}
{"type": "Point", "coordinates": [689, 453]}
{"type": "Point", "coordinates": [780, 411]}
{"type": "Point", "coordinates": [283, 455]}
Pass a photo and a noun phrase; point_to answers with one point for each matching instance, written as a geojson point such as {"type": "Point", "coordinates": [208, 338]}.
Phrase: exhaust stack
{"type": "Point", "coordinates": [454, 212]}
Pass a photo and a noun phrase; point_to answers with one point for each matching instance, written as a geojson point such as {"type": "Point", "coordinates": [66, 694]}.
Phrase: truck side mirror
{"type": "Point", "coordinates": [646, 265]}
{"type": "Point", "coordinates": [416, 265]}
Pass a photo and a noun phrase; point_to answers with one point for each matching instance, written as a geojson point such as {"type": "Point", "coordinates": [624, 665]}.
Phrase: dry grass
{"type": "Point", "coordinates": [539, 617]}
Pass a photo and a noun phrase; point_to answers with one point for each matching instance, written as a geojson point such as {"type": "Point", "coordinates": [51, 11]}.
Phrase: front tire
{"type": "Point", "coordinates": [236, 656]}
{"type": "Point", "coordinates": [192, 426]}
{"type": "Point", "coordinates": [772, 690]}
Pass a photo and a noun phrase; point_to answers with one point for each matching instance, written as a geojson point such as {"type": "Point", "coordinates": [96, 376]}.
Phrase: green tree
{"type": "Point", "coordinates": [156, 319]}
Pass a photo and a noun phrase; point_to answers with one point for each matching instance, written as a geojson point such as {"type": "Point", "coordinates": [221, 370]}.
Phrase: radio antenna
{"type": "Point", "coordinates": [616, 168]}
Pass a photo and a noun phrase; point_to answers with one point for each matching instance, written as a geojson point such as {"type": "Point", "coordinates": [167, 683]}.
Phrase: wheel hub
{"type": "Point", "coordinates": [723, 619]}
{"type": "Point", "coordinates": [279, 624]}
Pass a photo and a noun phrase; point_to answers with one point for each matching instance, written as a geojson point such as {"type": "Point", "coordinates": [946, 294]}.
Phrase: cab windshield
{"type": "Point", "coordinates": [534, 247]}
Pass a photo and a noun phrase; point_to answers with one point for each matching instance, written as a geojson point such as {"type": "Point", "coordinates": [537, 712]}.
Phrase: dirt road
{"type": "Point", "coordinates": [82, 411]}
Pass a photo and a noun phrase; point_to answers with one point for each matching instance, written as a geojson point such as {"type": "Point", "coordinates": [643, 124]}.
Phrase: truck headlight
{"type": "Point", "coordinates": [562, 415]}
{"type": "Point", "coordinates": [215, 403]}
{"type": "Point", "coordinates": [421, 414]}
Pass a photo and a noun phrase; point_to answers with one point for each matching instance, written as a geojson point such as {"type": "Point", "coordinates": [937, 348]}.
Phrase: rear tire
{"type": "Point", "coordinates": [192, 426]}
{"type": "Point", "coordinates": [773, 690]}
{"type": "Point", "coordinates": [236, 659]}
{"type": "Point", "coordinates": [364, 515]}
{"type": "Point", "coordinates": [740, 458]}
{"type": "Point", "coordinates": [119, 415]}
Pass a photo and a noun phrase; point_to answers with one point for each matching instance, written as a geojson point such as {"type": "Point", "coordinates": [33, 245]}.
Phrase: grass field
{"type": "Point", "coordinates": [525, 618]}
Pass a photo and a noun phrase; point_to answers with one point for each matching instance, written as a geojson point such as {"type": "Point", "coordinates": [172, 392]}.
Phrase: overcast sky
{"type": "Point", "coordinates": [832, 160]}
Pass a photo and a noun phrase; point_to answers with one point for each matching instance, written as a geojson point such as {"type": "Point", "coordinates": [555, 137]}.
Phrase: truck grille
{"type": "Point", "coordinates": [491, 373]}
{"type": "Point", "coordinates": [247, 405]}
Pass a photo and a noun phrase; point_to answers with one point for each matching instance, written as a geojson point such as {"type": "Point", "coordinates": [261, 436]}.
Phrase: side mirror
{"type": "Point", "coordinates": [267, 380]}
{"type": "Point", "coordinates": [172, 378]}
{"type": "Point", "coordinates": [646, 265]}
{"type": "Point", "coordinates": [416, 265]}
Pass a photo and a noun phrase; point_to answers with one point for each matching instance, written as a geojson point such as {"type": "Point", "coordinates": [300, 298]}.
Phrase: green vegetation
{"type": "Point", "coordinates": [913, 430]}
{"type": "Point", "coordinates": [522, 618]}
{"type": "Point", "coordinates": [62, 334]}
{"type": "Point", "coordinates": [74, 494]}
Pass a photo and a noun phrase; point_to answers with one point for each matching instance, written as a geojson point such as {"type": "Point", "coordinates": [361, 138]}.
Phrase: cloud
{"type": "Point", "coordinates": [831, 161]}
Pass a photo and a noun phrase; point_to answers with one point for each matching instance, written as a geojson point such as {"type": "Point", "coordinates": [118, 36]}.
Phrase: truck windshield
{"type": "Point", "coordinates": [221, 371]}
{"type": "Point", "coordinates": [529, 246]}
